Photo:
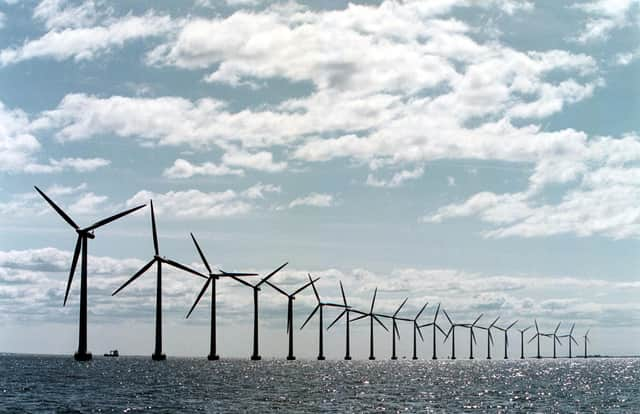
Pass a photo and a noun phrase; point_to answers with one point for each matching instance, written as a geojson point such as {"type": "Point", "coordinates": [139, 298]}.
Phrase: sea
{"type": "Point", "coordinates": [58, 384]}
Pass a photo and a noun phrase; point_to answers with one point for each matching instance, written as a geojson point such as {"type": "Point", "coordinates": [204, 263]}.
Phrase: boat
{"type": "Point", "coordinates": [113, 353]}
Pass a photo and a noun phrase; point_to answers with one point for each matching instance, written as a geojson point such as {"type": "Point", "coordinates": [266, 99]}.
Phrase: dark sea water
{"type": "Point", "coordinates": [135, 384]}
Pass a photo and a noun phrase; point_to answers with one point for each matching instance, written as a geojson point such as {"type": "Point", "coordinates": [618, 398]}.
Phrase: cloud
{"type": "Point", "coordinates": [262, 161]}
{"type": "Point", "coordinates": [56, 14]}
{"type": "Point", "coordinates": [397, 180]}
{"type": "Point", "coordinates": [314, 200]}
{"type": "Point", "coordinates": [184, 169]}
{"type": "Point", "coordinates": [85, 43]}
{"type": "Point", "coordinates": [604, 17]}
{"type": "Point", "coordinates": [88, 203]}
{"type": "Point", "coordinates": [258, 190]}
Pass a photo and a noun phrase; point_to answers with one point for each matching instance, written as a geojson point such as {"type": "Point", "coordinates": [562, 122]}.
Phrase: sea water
{"type": "Point", "coordinates": [138, 384]}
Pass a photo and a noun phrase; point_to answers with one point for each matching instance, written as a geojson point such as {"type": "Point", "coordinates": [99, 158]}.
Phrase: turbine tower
{"type": "Point", "coordinates": [416, 328]}
{"type": "Point", "coordinates": [347, 311]}
{"type": "Point", "coordinates": [435, 325]}
{"type": "Point", "coordinates": [522, 331]}
{"type": "Point", "coordinates": [452, 332]}
{"type": "Point", "coordinates": [158, 261]}
{"type": "Point", "coordinates": [372, 316]}
{"type": "Point", "coordinates": [84, 234]}
{"type": "Point", "coordinates": [290, 298]}
{"type": "Point", "coordinates": [394, 328]}
{"type": "Point", "coordinates": [571, 338]}
{"type": "Point", "coordinates": [586, 340]}
{"type": "Point", "coordinates": [211, 280]}
{"type": "Point", "coordinates": [255, 355]}
{"type": "Point", "coordinates": [536, 336]}
{"type": "Point", "coordinates": [506, 337]}
{"type": "Point", "coordinates": [320, 307]}
{"type": "Point", "coordinates": [490, 336]}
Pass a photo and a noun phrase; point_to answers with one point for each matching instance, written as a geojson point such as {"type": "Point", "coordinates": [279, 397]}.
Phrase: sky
{"type": "Point", "coordinates": [484, 155]}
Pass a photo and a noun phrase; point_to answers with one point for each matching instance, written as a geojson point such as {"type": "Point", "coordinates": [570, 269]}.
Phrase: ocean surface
{"type": "Point", "coordinates": [137, 384]}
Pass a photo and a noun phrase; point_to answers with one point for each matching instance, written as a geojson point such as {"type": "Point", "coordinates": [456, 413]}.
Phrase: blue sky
{"type": "Point", "coordinates": [484, 155]}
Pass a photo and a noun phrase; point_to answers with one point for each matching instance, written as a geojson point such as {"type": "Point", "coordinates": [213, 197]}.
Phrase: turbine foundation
{"type": "Point", "coordinates": [82, 356]}
{"type": "Point", "coordinates": [213, 357]}
{"type": "Point", "coordinates": [158, 357]}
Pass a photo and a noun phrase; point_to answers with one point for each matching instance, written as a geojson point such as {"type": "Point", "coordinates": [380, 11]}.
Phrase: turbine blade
{"type": "Point", "coordinates": [557, 327]}
{"type": "Point", "coordinates": [310, 315]}
{"type": "Point", "coordinates": [60, 212]}
{"type": "Point", "coordinates": [440, 329]}
{"type": "Point", "coordinates": [494, 322]}
{"type": "Point", "coordinates": [364, 315]}
{"type": "Point", "coordinates": [571, 330]}
{"type": "Point", "coordinates": [112, 218]}
{"type": "Point", "coordinates": [536, 322]}
{"type": "Point", "coordinates": [74, 262]}
{"type": "Point", "coordinates": [490, 338]}
{"type": "Point", "coordinates": [237, 279]}
{"type": "Point", "coordinates": [204, 259]}
{"type": "Point", "coordinates": [477, 319]}
{"type": "Point", "coordinates": [135, 276]}
{"type": "Point", "coordinates": [436, 315]}
{"type": "Point", "coordinates": [396, 330]}
{"type": "Point", "coordinates": [558, 339]}
{"type": "Point", "coordinates": [154, 230]}
{"type": "Point", "coordinates": [204, 289]}
{"type": "Point", "coordinates": [511, 326]}
{"type": "Point", "coordinates": [344, 297]}
{"type": "Point", "coordinates": [574, 340]}
{"type": "Point", "coordinates": [421, 310]}
{"type": "Point", "coordinates": [223, 273]}
{"type": "Point", "coordinates": [313, 285]}
{"type": "Point", "coordinates": [532, 338]}
{"type": "Point", "coordinates": [419, 332]}
{"type": "Point", "coordinates": [526, 329]}
{"type": "Point", "coordinates": [278, 289]}
{"type": "Point", "coordinates": [271, 274]}
{"type": "Point", "coordinates": [400, 307]}
{"type": "Point", "coordinates": [448, 333]}
{"type": "Point", "coordinates": [183, 267]}
{"type": "Point", "coordinates": [373, 301]}
{"type": "Point", "coordinates": [337, 319]}
{"type": "Point", "coordinates": [306, 285]}
{"type": "Point", "coordinates": [380, 322]}
{"type": "Point", "coordinates": [473, 336]}
{"type": "Point", "coordinates": [447, 315]}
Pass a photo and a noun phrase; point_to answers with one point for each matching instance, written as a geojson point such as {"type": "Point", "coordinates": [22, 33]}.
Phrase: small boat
{"type": "Point", "coordinates": [113, 353]}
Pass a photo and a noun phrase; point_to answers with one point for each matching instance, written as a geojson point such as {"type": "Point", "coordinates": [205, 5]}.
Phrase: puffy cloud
{"type": "Point", "coordinates": [605, 16]}
{"type": "Point", "coordinates": [184, 169]}
{"type": "Point", "coordinates": [56, 14]}
{"type": "Point", "coordinates": [262, 161]}
{"type": "Point", "coordinates": [258, 190]}
{"type": "Point", "coordinates": [314, 200]}
{"type": "Point", "coordinates": [397, 180]}
{"type": "Point", "coordinates": [84, 43]}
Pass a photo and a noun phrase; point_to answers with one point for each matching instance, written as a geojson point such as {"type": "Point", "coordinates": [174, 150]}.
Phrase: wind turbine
{"type": "Point", "coordinates": [290, 298]}
{"type": "Point", "coordinates": [586, 340]}
{"type": "Point", "coordinates": [394, 328]}
{"type": "Point", "coordinates": [158, 261]}
{"type": "Point", "coordinates": [435, 325]}
{"type": "Point", "coordinates": [211, 280]}
{"type": "Point", "coordinates": [472, 336]}
{"type": "Point", "coordinates": [255, 356]}
{"type": "Point", "coordinates": [489, 336]}
{"type": "Point", "coordinates": [506, 337]}
{"type": "Point", "coordinates": [522, 331]}
{"type": "Point", "coordinates": [347, 311]}
{"type": "Point", "coordinates": [555, 338]}
{"type": "Point", "coordinates": [416, 328]}
{"type": "Point", "coordinates": [319, 306]}
{"type": "Point", "coordinates": [84, 234]}
{"type": "Point", "coordinates": [452, 332]}
{"type": "Point", "coordinates": [537, 335]}
{"type": "Point", "coordinates": [372, 316]}
{"type": "Point", "coordinates": [571, 338]}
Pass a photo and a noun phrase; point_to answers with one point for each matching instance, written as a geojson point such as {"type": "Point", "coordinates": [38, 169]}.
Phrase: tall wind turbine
{"type": "Point", "coordinates": [472, 335]}
{"type": "Point", "coordinates": [506, 337]}
{"type": "Point", "coordinates": [536, 336]}
{"type": "Point", "coordinates": [394, 328]}
{"type": "Point", "coordinates": [586, 340]}
{"type": "Point", "coordinates": [255, 355]}
{"type": "Point", "coordinates": [554, 337]}
{"type": "Point", "coordinates": [290, 298]}
{"type": "Point", "coordinates": [158, 261]}
{"type": "Point", "coordinates": [490, 336]}
{"type": "Point", "coordinates": [211, 280]}
{"type": "Point", "coordinates": [452, 333]}
{"type": "Point", "coordinates": [435, 325]}
{"type": "Point", "coordinates": [522, 331]}
{"type": "Point", "coordinates": [416, 328]}
{"type": "Point", "coordinates": [346, 312]}
{"type": "Point", "coordinates": [84, 234]}
{"type": "Point", "coordinates": [571, 338]}
{"type": "Point", "coordinates": [319, 306]}
{"type": "Point", "coordinates": [372, 316]}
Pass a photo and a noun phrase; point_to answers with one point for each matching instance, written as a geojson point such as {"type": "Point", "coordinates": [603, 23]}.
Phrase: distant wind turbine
{"type": "Point", "coordinates": [81, 249]}
{"type": "Point", "coordinates": [211, 280]}
{"type": "Point", "coordinates": [346, 312]}
{"type": "Point", "coordinates": [586, 340]}
{"type": "Point", "coordinates": [435, 326]}
{"type": "Point", "coordinates": [452, 333]}
{"type": "Point", "coordinates": [416, 328]}
{"type": "Point", "coordinates": [394, 328]}
{"type": "Point", "coordinates": [490, 336]}
{"type": "Point", "coordinates": [506, 337]}
{"type": "Point", "coordinates": [555, 339]}
{"type": "Point", "coordinates": [290, 298]}
{"type": "Point", "coordinates": [472, 335]}
{"type": "Point", "coordinates": [536, 336]}
{"type": "Point", "coordinates": [158, 261]}
{"type": "Point", "coordinates": [372, 316]}
{"type": "Point", "coordinates": [571, 339]}
{"type": "Point", "coordinates": [522, 331]}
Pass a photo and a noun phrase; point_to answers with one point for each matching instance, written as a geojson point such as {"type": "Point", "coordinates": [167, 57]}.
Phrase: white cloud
{"type": "Point", "coordinates": [314, 200]}
{"type": "Point", "coordinates": [88, 203]}
{"type": "Point", "coordinates": [85, 43]}
{"type": "Point", "coordinates": [624, 59]}
{"type": "Point", "coordinates": [605, 16]}
{"type": "Point", "coordinates": [184, 169]}
{"type": "Point", "coordinates": [262, 161]}
{"type": "Point", "coordinates": [56, 14]}
{"type": "Point", "coordinates": [258, 190]}
{"type": "Point", "coordinates": [398, 178]}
